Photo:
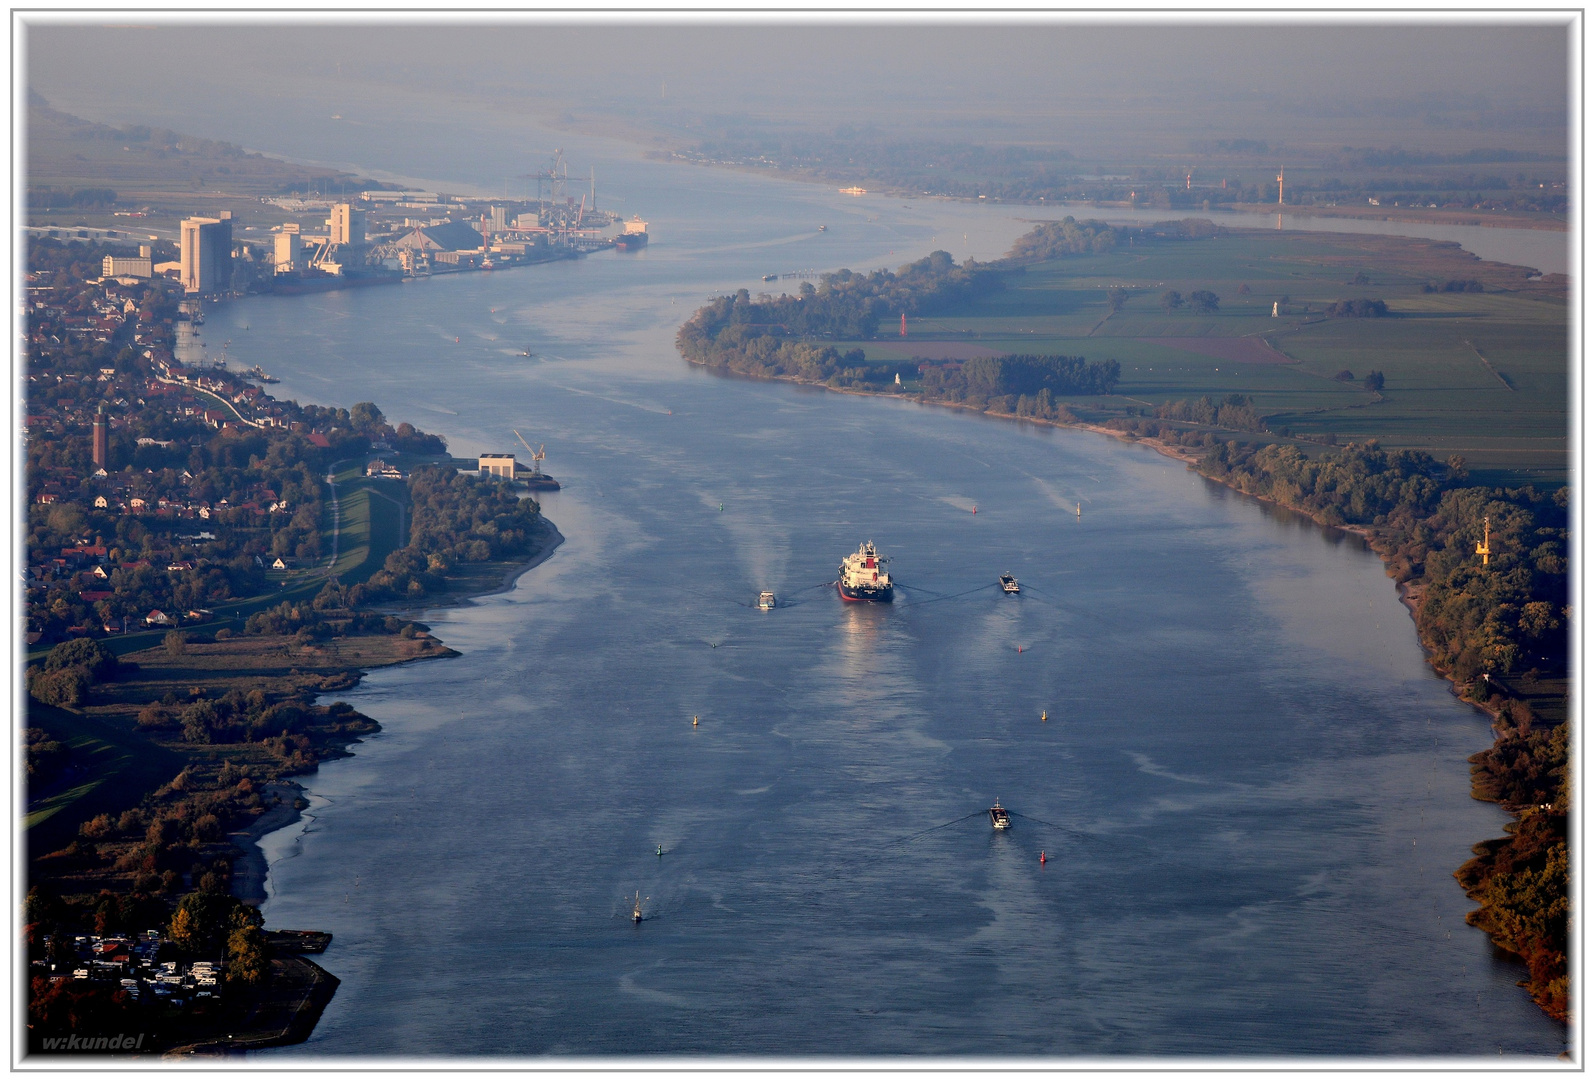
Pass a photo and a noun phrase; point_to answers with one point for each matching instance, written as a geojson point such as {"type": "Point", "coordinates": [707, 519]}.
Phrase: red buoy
{"type": "Point", "coordinates": [1043, 858]}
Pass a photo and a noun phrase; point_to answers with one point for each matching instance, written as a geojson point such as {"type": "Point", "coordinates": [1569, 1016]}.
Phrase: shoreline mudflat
{"type": "Point", "coordinates": [249, 869]}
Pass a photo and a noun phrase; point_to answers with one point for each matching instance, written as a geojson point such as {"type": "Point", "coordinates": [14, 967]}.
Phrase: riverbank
{"type": "Point", "coordinates": [284, 1012]}
{"type": "Point", "coordinates": [299, 990]}
{"type": "Point", "coordinates": [250, 869]}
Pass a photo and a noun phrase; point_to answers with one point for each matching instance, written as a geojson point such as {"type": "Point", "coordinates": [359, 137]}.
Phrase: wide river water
{"type": "Point", "coordinates": [1250, 789]}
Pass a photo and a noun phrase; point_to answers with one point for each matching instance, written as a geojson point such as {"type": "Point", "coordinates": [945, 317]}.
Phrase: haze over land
{"type": "Point", "coordinates": [1096, 91]}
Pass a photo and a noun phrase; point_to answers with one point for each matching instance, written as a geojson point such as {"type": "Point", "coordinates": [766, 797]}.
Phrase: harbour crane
{"type": "Point", "coordinates": [554, 176]}
{"type": "Point", "coordinates": [537, 455]}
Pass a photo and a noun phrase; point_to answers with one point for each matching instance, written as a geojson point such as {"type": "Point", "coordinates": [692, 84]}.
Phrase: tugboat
{"type": "Point", "coordinates": [1010, 584]}
{"type": "Point", "coordinates": [862, 575]}
{"type": "Point", "coordinates": [766, 601]}
{"type": "Point", "coordinates": [999, 818]}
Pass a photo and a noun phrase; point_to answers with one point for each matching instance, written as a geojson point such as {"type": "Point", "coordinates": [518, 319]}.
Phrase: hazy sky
{"type": "Point", "coordinates": [210, 79]}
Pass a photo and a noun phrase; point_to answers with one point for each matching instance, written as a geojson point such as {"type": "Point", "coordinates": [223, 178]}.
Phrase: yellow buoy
{"type": "Point", "coordinates": [694, 721]}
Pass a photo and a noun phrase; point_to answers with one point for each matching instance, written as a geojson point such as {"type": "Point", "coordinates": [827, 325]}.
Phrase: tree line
{"type": "Point", "coordinates": [1483, 627]}
{"type": "Point", "coordinates": [454, 519]}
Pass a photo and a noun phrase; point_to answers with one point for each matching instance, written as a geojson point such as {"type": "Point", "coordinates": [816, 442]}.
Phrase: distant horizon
{"type": "Point", "coordinates": [1419, 83]}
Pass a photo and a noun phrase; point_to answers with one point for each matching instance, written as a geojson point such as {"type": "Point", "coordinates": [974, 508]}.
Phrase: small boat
{"type": "Point", "coordinates": [1009, 584]}
{"type": "Point", "coordinates": [769, 277]}
{"type": "Point", "coordinates": [525, 352]}
{"type": "Point", "coordinates": [999, 818]}
{"type": "Point", "coordinates": [636, 907]}
{"type": "Point", "coordinates": [766, 601]}
{"type": "Point", "coordinates": [822, 228]}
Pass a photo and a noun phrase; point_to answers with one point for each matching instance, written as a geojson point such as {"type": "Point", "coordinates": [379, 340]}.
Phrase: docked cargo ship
{"type": "Point", "coordinates": [633, 235]}
{"type": "Point", "coordinates": [862, 575]}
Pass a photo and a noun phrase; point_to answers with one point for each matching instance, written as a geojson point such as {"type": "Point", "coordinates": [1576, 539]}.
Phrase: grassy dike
{"type": "Point", "coordinates": [1401, 389]}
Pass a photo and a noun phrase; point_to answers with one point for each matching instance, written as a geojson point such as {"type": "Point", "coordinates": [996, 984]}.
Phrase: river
{"type": "Point", "coordinates": [1250, 789]}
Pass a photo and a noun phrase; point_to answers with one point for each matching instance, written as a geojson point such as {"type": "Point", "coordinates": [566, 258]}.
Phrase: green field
{"type": "Point", "coordinates": [114, 769]}
{"type": "Point", "coordinates": [1483, 374]}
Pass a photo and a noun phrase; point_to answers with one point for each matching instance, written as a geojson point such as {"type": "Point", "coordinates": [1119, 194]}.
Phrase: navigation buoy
{"type": "Point", "coordinates": [456, 341]}
{"type": "Point", "coordinates": [1043, 716]}
{"type": "Point", "coordinates": [1043, 858]}
{"type": "Point", "coordinates": [660, 852]}
{"type": "Point", "coordinates": [1077, 512]}
{"type": "Point", "coordinates": [694, 721]}
{"type": "Point", "coordinates": [976, 509]}
{"type": "Point", "coordinates": [722, 508]}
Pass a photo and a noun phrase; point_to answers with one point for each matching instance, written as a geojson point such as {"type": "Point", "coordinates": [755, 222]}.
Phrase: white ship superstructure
{"type": "Point", "coordinates": [863, 576]}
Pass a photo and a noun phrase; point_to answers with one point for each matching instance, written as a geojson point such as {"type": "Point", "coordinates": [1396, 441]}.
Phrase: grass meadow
{"type": "Point", "coordinates": [1483, 373]}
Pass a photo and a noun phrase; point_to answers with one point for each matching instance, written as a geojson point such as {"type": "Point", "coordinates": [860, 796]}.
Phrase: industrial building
{"type": "Point", "coordinates": [288, 255]}
{"type": "Point", "coordinates": [500, 465]}
{"type": "Point", "coordinates": [205, 251]}
{"type": "Point", "coordinates": [346, 226]}
{"type": "Point", "coordinates": [141, 267]}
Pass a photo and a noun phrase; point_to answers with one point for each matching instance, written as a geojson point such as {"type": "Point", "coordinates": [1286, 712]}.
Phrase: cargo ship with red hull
{"type": "Point", "coordinates": [862, 575]}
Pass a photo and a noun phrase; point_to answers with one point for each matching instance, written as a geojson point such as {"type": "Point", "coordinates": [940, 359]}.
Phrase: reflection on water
{"type": "Point", "coordinates": [864, 659]}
